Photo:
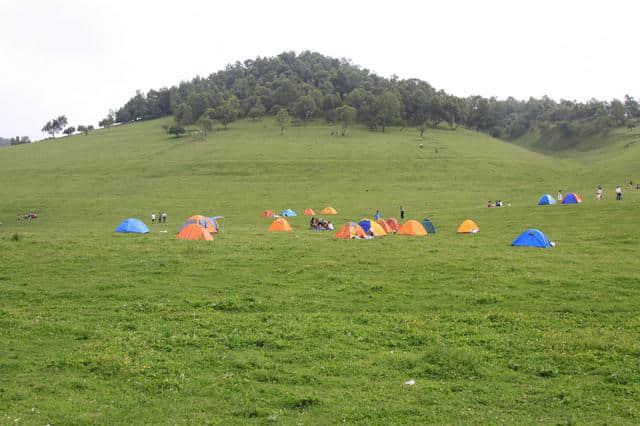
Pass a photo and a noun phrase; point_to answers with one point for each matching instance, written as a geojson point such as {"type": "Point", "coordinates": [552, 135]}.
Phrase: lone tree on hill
{"type": "Point", "coordinates": [283, 118]}
{"type": "Point", "coordinates": [108, 121]}
{"type": "Point", "coordinates": [205, 124]}
{"type": "Point", "coordinates": [346, 115]}
{"type": "Point", "coordinates": [55, 126]}
{"type": "Point", "coordinates": [69, 131]}
{"type": "Point", "coordinates": [85, 129]}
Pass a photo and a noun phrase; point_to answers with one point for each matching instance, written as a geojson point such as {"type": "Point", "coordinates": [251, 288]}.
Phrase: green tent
{"type": "Point", "coordinates": [429, 226]}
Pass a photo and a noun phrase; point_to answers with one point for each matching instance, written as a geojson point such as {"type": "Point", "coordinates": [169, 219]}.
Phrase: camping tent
{"type": "Point", "coordinates": [288, 213]}
{"type": "Point", "coordinates": [328, 210]}
{"type": "Point", "coordinates": [385, 226]}
{"type": "Point", "coordinates": [268, 213]}
{"type": "Point", "coordinates": [368, 224]}
{"type": "Point", "coordinates": [280, 224]}
{"type": "Point", "coordinates": [203, 222]}
{"type": "Point", "coordinates": [132, 225]}
{"type": "Point", "coordinates": [532, 238]}
{"type": "Point", "coordinates": [350, 230]}
{"type": "Point", "coordinates": [309, 212]}
{"type": "Point", "coordinates": [393, 224]}
{"type": "Point", "coordinates": [546, 200]}
{"type": "Point", "coordinates": [468, 227]}
{"type": "Point", "coordinates": [215, 220]}
{"type": "Point", "coordinates": [572, 198]}
{"type": "Point", "coordinates": [193, 231]}
{"type": "Point", "coordinates": [412, 227]}
{"type": "Point", "coordinates": [428, 226]}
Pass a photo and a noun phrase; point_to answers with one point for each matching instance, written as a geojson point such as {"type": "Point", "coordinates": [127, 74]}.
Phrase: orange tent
{"type": "Point", "coordinates": [268, 213]}
{"type": "Point", "coordinates": [203, 222]}
{"type": "Point", "coordinates": [328, 210]}
{"type": "Point", "coordinates": [468, 227]}
{"type": "Point", "coordinates": [309, 212]}
{"type": "Point", "coordinates": [412, 227]}
{"type": "Point", "coordinates": [280, 224]}
{"type": "Point", "coordinates": [393, 224]}
{"type": "Point", "coordinates": [194, 231]}
{"type": "Point", "coordinates": [385, 226]}
{"type": "Point", "coordinates": [350, 230]}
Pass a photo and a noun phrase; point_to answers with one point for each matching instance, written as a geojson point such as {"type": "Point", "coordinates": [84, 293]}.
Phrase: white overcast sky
{"type": "Point", "coordinates": [81, 57]}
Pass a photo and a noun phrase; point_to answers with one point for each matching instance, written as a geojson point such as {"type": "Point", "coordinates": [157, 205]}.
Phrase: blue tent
{"type": "Point", "coordinates": [132, 225]}
{"type": "Point", "coordinates": [546, 200]}
{"type": "Point", "coordinates": [365, 224]}
{"type": "Point", "coordinates": [532, 238]}
{"type": "Point", "coordinates": [288, 213]}
{"type": "Point", "coordinates": [428, 225]}
{"type": "Point", "coordinates": [571, 198]}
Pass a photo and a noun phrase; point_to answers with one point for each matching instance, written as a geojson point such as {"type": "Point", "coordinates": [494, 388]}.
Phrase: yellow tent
{"type": "Point", "coordinates": [468, 227]}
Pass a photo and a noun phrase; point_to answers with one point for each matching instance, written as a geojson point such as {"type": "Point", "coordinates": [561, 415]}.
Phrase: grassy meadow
{"type": "Point", "coordinates": [257, 327]}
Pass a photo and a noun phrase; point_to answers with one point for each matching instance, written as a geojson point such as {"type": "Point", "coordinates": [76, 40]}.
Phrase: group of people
{"type": "Point", "coordinates": [28, 216]}
{"type": "Point", "coordinates": [497, 203]}
{"type": "Point", "coordinates": [161, 217]}
{"type": "Point", "coordinates": [319, 224]}
{"type": "Point", "coordinates": [600, 192]}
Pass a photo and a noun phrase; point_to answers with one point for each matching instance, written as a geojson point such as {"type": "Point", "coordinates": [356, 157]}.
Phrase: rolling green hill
{"type": "Point", "coordinates": [254, 327]}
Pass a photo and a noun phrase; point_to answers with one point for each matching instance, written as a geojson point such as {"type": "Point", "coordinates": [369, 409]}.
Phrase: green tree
{"type": "Point", "coordinates": [228, 111]}
{"type": "Point", "coordinates": [304, 108]}
{"type": "Point", "coordinates": [55, 126]}
{"type": "Point", "coordinates": [108, 121]}
{"type": "Point", "coordinates": [69, 131]}
{"type": "Point", "coordinates": [205, 124]}
{"type": "Point", "coordinates": [346, 115]}
{"type": "Point", "coordinates": [283, 118]}
{"type": "Point", "coordinates": [388, 108]}
{"type": "Point", "coordinates": [257, 111]}
{"type": "Point", "coordinates": [184, 114]}
{"type": "Point", "coordinates": [176, 129]}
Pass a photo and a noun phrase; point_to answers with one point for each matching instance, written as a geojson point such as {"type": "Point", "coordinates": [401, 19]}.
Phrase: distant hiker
{"type": "Point", "coordinates": [153, 218]}
{"type": "Point", "coordinates": [401, 212]}
{"type": "Point", "coordinates": [377, 216]}
{"type": "Point", "coordinates": [618, 193]}
{"type": "Point", "coordinates": [599, 193]}
{"type": "Point", "coordinates": [559, 194]}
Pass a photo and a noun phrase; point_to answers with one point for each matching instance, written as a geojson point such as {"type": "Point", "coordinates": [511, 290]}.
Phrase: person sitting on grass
{"type": "Point", "coordinates": [314, 223]}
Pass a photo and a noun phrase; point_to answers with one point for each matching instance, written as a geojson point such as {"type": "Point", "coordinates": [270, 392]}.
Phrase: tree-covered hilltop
{"type": "Point", "coordinates": [311, 85]}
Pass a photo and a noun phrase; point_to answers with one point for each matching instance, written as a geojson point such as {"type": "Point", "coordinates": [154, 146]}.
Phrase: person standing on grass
{"type": "Point", "coordinates": [599, 193]}
{"type": "Point", "coordinates": [401, 212]}
{"type": "Point", "coordinates": [164, 217]}
{"type": "Point", "coordinates": [377, 216]}
{"type": "Point", "coordinates": [618, 193]}
{"type": "Point", "coordinates": [153, 218]}
{"type": "Point", "coordinates": [559, 194]}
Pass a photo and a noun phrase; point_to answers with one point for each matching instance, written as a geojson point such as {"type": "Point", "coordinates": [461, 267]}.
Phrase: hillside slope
{"type": "Point", "coordinates": [299, 327]}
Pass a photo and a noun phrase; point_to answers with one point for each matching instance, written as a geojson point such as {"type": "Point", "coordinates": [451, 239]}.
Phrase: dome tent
{"type": "Point", "coordinates": [468, 227]}
{"type": "Point", "coordinates": [373, 226]}
{"type": "Point", "coordinates": [280, 224]}
{"type": "Point", "coordinates": [546, 200]}
{"type": "Point", "coordinates": [350, 230]}
{"type": "Point", "coordinates": [412, 227]}
{"type": "Point", "coordinates": [428, 226]}
{"type": "Point", "coordinates": [288, 213]}
{"type": "Point", "coordinates": [193, 231]}
{"type": "Point", "coordinates": [572, 198]}
{"type": "Point", "coordinates": [329, 210]}
{"type": "Point", "coordinates": [309, 212]}
{"type": "Point", "coordinates": [132, 226]}
{"type": "Point", "coordinates": [532, 238]}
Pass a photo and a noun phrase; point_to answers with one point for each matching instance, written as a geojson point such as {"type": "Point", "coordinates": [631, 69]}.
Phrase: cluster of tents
{"type": "Point", "coordinates": [570, 198]}
{"type": "Point", "coordinates": [369, 228]}
{"type": "Point", "coordinates": [196, 227]}
{"type": "Point", "coordinates": [291, 213]}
